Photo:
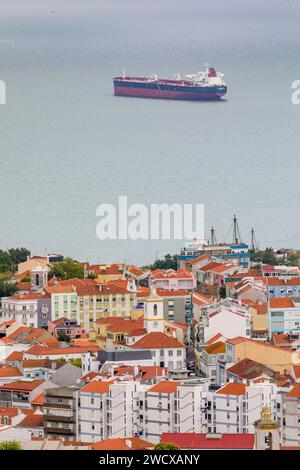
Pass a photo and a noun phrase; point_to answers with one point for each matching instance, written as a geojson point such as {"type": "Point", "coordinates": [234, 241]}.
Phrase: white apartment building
{"type": "Point", "coordinates": [126, 408]}
{"type": "Point", "coordinates": [226, 317]}
{"type": "Point", "coordinates": [22, 308]}
{"type": "Point", "coordinates": [291, 417]}
{"type": "Point", "coordinates": [236, 406]}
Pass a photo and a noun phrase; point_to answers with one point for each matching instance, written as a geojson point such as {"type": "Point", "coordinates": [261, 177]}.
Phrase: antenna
{"type": "Point", "coordinates": [213, 240]}
{"type": "Point", "coordinates": [236, 231]}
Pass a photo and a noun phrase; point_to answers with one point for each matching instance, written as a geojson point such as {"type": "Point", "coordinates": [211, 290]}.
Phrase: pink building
{"type": "Point", "coordinates": [66, 327]}
{"type": "Point", "coordinates": [169, 279]}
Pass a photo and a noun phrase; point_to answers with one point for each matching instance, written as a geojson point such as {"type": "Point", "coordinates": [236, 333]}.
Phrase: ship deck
{"type": "Point", "coordinates": [160, 81]}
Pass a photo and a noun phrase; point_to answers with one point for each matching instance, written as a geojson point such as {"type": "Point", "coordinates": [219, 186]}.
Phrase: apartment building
{"type": "Point", "coordinates": [30, 309]}
{"type": "Point", "coordinates": [236, 406]}
{"type": "Point", "coordinates": [283, 315]}
{"type": "Point", "coordinates": [123, 408]}
{"type": "Point", "coordinates": [60, 413]}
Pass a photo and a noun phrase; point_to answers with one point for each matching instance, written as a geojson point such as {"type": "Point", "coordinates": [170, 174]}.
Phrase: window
{"type": "Point", "coordinates": [179, 352]}
{"type": "Point", "coordinates": [170, 352]}
{"type": "Point", "coordinates": [155, 309]}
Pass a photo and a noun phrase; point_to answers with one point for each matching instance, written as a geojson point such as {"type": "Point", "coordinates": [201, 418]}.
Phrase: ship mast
{"type": "Point", "coordinates": [213, 240]}
{"type": "Point", "coordinates": [236, 231]}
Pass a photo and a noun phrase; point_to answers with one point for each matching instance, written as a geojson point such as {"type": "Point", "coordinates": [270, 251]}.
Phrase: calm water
{"type": "Point", "coordinates": [67, 144]}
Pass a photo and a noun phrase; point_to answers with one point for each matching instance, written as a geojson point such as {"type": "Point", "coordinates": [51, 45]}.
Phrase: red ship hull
{"type": "Point", "coordinates": [141, 87]}
{"type": "Point", "coordinates": [177, 95]}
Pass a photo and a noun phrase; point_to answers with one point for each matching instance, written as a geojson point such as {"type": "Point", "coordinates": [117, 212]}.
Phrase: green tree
{"type": "Point", "coordinates": [18, 255]}
{"type": "Point", "coordinates": [62, 336]}
{"type": "Point", "coordinates": [76, 362]}
{"type": "Point", "coordinates": [91, 276]}
{"type": "Point", "coordinates": [10, 445]}
{"type": "Point", "coordinates": [67, 269]}
{"type": "Point", "coordinates": [169, 262]}
{"type": "Point", "coordinates": [292, 259]}
{"type": "Point", "coordinates": [266, 256]}
{"type": "Point", "coordinates": [7, 287]}
{"type": "Point", "coordinates": [166, 446]}
{"type": "Point", "coordinates": [6, 264]}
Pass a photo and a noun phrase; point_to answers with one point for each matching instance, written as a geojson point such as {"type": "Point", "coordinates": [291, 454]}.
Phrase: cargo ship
{"type": "Point", "coordinates": [205, 85]}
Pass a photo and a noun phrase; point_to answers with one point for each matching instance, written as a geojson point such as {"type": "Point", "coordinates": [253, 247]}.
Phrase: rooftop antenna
{"type": "Point", "coordinates": [213, 240]}
{"type": "Point", "coordinates": [236, 231]}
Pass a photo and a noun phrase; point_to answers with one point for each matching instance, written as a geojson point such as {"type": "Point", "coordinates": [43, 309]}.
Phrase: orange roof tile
{"type": "Point", "coordinates": [232, 388]}
{"type": "Point", "coordinates": [96, 386]}
{"type": "Point", "coordinates": [157, 340]}
{"type": "Point", "coordinates": [122, 444]}
{"type": "Point", "coordinates": [9, 372]}
{"type": "Point", "coordinates": [216, 348]}
{"type": "Point", "coordinates": [295, 392]}
{"type": "Point", "coordinates": [278, 302]}
{"type": "Point", "coordinates": [164, 387]}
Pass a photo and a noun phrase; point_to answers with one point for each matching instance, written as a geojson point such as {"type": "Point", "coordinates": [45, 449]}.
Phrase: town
{"type": "Point", "coordinates": [197, 351]}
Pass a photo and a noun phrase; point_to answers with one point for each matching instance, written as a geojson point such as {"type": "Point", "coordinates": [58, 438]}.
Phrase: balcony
{"type": "Point", "coordinates": [63, 419]}
{"type": "Point", "coordinates": [57, 430]}
{"type": "Point", "coordinates": [57, 405]}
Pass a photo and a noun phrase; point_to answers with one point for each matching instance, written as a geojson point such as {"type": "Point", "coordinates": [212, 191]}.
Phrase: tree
{"type": "Point", "coordinates": [11, 258]}
{"type": "Point", "coordinates": [18, 255]}
{"type": "Point", "coordinates": [166, 446]}
{"type": "Point", "coordinates": [266, 256]}
{"type": "Point", "coordinates": [76, 362]}
{"type": "Point", "coordinates": [292, 259]}
{"type": "Point", "coordinates": [7, 288]}
{"type": "Point", "coordinates": [91, 276]}
{"type": "Point", "coordinates": [169, 262]}
{"type": "Point", "coordinates": [62, 336]}
{"type": "Point", "coordinates": [10, 445]}
{"type": "Point", "coordinates": [67, 269]}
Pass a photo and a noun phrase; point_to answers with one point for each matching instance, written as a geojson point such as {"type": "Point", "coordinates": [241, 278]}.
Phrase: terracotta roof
{"type": "Point", "coordinates": [96, 386]}
{"type": "Point", "coordinates": [32, 363]}
{"type": "Point", "coordinates": [278, 281]}
{"type": "Point", "coordinates": [198, 259]}
{"type": "Point", "coordinates": [26, 296]}
{"type": "Point", "coordinates": [15, 356]}
{"type": "Point", "coordinates": [9, 412]}
{"type": "Point", "coordinates": [216, 348]}
{"type": "Point", "coordinates": [249, 369]}
{"type": "Point", "coordinates": [278, 302]}
{"type": "Point", "coordinates": [39, 400]}
{"type": "Point", "coordinates": [125, 443]}
{"type": "Point", "coordinates": [22, 385]}
{"type": "Point", "coordinates": [157, 340]}
{"type": "Point", "coordinates": [164, 387]}
{"type": "Point", "coordinates": [232, 388]}
{"type": "Point", "coordinates": [215, 338]}
{"type": "Point", "coordinates": [9, 372]}
{"type": "Point", "coordinates": [89, 376]}
{"type": "Point", "coordinates": [44, 351]}
{"type": "Point", "coordinates": [137, 332]}
{"type": "Point", "coordinates": [171, 273]}
{"type": "Point", "coordinates": [296, 370]}
{"type": "Point", "coordinates": [204, 441]}
{"type": "Point", "coordinates": [32, 420]}
{"type": "Point", "coordinates": [295, 392]}
{"type": "Point", "coordinates": [261, 309]}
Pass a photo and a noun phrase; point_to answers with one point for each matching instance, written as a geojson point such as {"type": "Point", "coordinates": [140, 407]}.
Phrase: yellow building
{"type": "Point", "coordinates": [276, 358]}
